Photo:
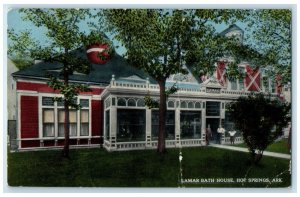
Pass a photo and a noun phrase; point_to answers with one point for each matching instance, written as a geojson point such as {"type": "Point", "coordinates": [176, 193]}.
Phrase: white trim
{"type": "Point", "coordinates": [96, 97]}
{"type": "Point", "coordinates": [31, 81]}
{"type": "Point", "coordinates": [37, 80]}
{"type": "Point", "coordinates": [95, 50]}
{"type": "Point", "coordinates": [27, 92]}
{"type": "Point", "coordinates": [19, 119]}
{"type": "Point", "coordinates": [90, 117]}
{"type": "Point", "coordinates": [148, 129]}
{"type": "Point", "coordinates": [40, 111]}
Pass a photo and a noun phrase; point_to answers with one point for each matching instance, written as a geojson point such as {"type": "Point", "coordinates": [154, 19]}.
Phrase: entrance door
{"type": "Point", "coordinates": [214, 124]}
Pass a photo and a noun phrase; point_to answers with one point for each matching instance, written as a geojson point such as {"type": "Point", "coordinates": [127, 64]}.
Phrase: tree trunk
{"type": "Point", "coordinates": [161, 147]}
{"type": "Point", "coordinates": [67, 130]}
{"type": "Point", "coordinates": [67, 120]}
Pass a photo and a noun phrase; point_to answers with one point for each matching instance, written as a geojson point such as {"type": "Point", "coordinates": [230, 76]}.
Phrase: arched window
{"type": "Point", "coordinates": [191, 105]}
{"type": "Point", "coordinates": [140, 103]}
{"type": "Point", "coordinates": [131, 102]}
{"type": "Point", "coordinates": [171, 104]}
{"type": "Point", "coordinates": [183, 104]}
{"type": "Point", "coordinates": [121, 102]}
{"type": "Point", "coordinates": [197, 105]}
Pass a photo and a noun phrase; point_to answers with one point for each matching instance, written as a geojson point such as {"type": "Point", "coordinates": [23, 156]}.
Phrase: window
{"type": "Point", "coordinates": [84, 122]}
{"type": "Point", "coordinates": [273, 87]}
{"type": "Point", "coordinates": [233, 84]}
{"type": "Point", "coordinates": [170, 125]}
{"type": "Point", "coordinates": [131, 125]}
{"type": "Point", "coordinates": [48, 122]}
{"type": "Point", "coordinates": [265, 82]}
{"type": "Point", "coordinates": [229, 124]}
{"type": "Point", "coordinates": [190, 124]}
{"type": "Point", "coordinates": [241, 83]}
{"type": "Point", "coordinates": [73, 122]}
{"type": "Point", "coordinates": [171, 104]}
{"type": "Point", "coordinates": [212, 108]}
{"type": "Point", "coordinates": [191, 105]}
{"type": "Point", "coordinates": [141, 103]}
{"type": "Point", "coordinates": [107, 124]}
{"type": "Point", "coordinates": [121, 102]}
{"type": "Point", "coordinates": [131, 102]}
{"type": "Point", "coordinates": [183, 104]}
{"type": "Point", "coordinates": [54, 118]}
{"type": "Point", "coordinates": [47, 101]}
{"type": "Point", "coordinates": [84, 102]}
{"type": "Point", "coordinates": [197, 105]}
{"type": "Point", "coordinates": [107, 103]}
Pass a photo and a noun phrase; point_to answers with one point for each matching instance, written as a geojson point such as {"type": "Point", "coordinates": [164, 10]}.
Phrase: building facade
{"type": "Point", "coordinates": [114, 115]}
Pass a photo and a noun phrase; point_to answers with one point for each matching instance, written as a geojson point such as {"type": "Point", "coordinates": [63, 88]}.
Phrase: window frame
{"type": "Point", "coordinates": [56, 109]}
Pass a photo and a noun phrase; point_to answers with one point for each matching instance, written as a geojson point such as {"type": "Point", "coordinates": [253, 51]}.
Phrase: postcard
{"type": "Point", "coordinates": [149, 98]}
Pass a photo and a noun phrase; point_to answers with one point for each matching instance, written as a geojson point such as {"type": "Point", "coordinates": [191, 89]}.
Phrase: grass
{"type": "Point", "coordinates": [98, 168]}
{"type": "Point", "coordinates": [280, 146]}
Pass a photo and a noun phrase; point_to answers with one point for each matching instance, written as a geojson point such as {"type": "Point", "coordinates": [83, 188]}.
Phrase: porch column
{"type": "Point", "coordinates": [222, 136]}
{"type": "Point", "coordinates": [113, 127]}
{"type": "Point", "coordinates": [229, 85]}
{"type": "Point", "coordinates": [177, 126]}
{"type": "Point", "coordinates": [148, 127]}
{"type": "Point", "coordinates": [203, 125]}
{"type": "Point", "coordinates": [262, 84]}
{"type": "Point", "coordinates": [238, 84]}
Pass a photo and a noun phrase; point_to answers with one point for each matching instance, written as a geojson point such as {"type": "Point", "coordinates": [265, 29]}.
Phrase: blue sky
{"type": "Point", "coordinates": [15, 21]}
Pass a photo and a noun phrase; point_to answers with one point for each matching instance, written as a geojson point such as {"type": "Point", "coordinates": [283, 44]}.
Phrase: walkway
{"type": "Point", "coordinates": [266, 153]}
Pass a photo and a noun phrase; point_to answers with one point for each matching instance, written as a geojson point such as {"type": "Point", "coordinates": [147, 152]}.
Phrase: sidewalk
{"type": "Point", "coordinates": [266, 153]}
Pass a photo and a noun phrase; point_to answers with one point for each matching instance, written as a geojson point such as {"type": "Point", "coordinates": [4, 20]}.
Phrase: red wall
{"type": "Point", "coordinates": [97, 118]}
{"type": "Point", "coordinates": [29, 117]}
{"type": "Point", "coordinates": [42, 87]}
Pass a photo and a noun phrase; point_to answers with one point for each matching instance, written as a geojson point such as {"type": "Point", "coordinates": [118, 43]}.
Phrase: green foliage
{"type": "Point", "coordinates": [151, 103]}
{"type": "Point", "coordinates": [154, 39]}
{"type": "Point", "coordinates": [22, 63]}
{"type": "Point", "coordinates": [271, 32]}
{"type": "Point", "coordinates": [95, 37]}
{"type": "Point", "coordinates": [260, 119]}
{"type": "Point", "coordinates": [22, 44]}
{"type": "Point", "coordinates": [171, 90]}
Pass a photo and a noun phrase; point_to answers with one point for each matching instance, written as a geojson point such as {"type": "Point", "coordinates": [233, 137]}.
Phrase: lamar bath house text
{"type": "Point", "coordinates": [231, 180]}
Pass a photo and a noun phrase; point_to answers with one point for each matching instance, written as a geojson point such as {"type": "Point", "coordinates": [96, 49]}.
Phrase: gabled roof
{"type": "Point", "coordinates": [232, 27]}
{"type": "Point", "coordinates": [99, 74]}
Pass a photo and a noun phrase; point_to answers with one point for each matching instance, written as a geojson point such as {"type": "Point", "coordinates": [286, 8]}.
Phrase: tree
{"type": "Point", "coordinates": [63, 36]}
{"type": "Point", "coordinates": [160, 42]}
{"type": "Point", "coordinates": [18, 50]}
{"type": "Point", "coordinates": [260, 119]}
{"type": "Point", "coordinates": [271, 32]}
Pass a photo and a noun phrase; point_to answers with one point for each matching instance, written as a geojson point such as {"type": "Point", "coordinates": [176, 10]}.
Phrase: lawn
{"type": "Point", "coordinates": [280, 146]}
{"type": "Point", "coordinates": [99, 168]}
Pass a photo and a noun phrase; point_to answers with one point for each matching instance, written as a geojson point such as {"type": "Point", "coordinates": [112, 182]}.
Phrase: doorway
{"type": "Point", "coordinates": [214, 124]}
